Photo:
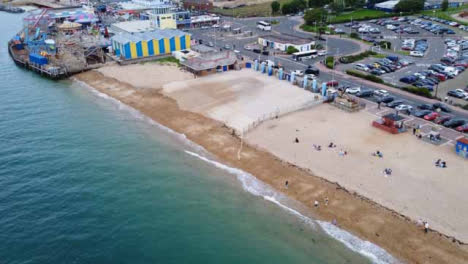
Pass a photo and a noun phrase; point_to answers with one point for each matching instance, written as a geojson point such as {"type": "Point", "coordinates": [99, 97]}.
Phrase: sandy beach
{"type": "Point", "coordinates": [278, 159]}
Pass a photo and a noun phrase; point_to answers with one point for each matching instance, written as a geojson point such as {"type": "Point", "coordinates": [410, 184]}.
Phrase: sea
{"type": "Point", "coordinates": [86, 179]}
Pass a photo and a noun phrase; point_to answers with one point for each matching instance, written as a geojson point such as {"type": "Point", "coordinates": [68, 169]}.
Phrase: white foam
{"type": "Point", "coordinates": [251, 184]}
{"type": "Point", "coordinates": [254, 186]}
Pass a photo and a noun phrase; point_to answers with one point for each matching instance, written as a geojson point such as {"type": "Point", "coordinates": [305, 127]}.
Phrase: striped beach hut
{"type": "Point", "coordinates": [150, 43]}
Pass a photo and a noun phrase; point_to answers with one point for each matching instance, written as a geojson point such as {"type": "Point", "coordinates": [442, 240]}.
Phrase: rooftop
{"type": "Point", "coordinates": [149, 35]}
{"type": "Point", "coordinates": [202, 48]}
{"type": "Point", "coordinates": [133, 26]}
{"type": "Point", "coordinates": [287, 39]}
{"type": "Point", "coordinates": [211, 60]}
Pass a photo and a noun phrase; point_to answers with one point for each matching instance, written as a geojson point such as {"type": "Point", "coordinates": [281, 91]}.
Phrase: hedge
{"type": "Point", "coordinates": [368, 77]}
{"type": "Point", "coordinates": [357, 57]}
{"type": "Point", "coordinates": [418, 91]}
{"type": "Point", "coordinates": [329, 62]}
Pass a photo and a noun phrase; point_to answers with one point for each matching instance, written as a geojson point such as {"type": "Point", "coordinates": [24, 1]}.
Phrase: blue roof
{"type": "Point", "coordinates": [124, 38]}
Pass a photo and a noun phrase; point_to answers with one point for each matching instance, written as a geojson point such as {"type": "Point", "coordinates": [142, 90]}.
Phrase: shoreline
{"type": "Point", "coordinates": [358, 215]}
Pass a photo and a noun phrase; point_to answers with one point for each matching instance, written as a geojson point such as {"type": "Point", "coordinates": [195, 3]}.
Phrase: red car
{"type": "Point", "coordinates": [441, 77]}
{"type": "Point", "coordinates": [442, 119]}
{"type": "Point", "coordinates": [332, 83]}
{"type": "Point", "coordinates": [432, 116]}
{"type": "Point", "coordinates": [463, 128]}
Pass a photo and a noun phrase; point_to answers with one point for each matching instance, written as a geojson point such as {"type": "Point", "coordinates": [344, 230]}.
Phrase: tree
{"type": "Point", "coordinates": [317, 15]}
{"type": "Point", "coordinates": [445, 5]}
{"type": "Point", "coordinates": [409, 6]}
{"type": "Point", "coordinates": [293, 7]}
{"type": "Point", "coordinates": [275, 7]}
{"type": "Point", "coordinates": [318, 3]}
{"type": "Point", "coordinates": [291, 50]}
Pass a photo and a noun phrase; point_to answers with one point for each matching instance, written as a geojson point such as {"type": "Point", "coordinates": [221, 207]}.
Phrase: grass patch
{"type": "Point", "coordinates": [257, 10]}
{"type": "Point", "coordinates": [330, 62]}
{"type": "Point", "coordinates": [360, 14]}
{"type": "Point", "coordinates": [357, 57]}
{"type": "Point", "coordinates": [365, 76]}
{"type": "Point", "coordinates": [403, 52]}
{"type": "Point", "coordinates": [418, 91]}
{"type": "Point", "coordinates": [447, 15]}
{"type": "Point", "coordinates": [379, 56]}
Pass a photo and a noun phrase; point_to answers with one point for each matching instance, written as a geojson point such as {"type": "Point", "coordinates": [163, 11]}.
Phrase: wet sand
{"type": "Point", "coordinates": [361, 216]}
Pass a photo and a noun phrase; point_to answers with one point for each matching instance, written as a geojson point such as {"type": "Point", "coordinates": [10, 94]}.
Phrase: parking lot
{"type": "Point", "coordinates": [441, 54]}
{"type": "Point", "coordinates": [335, 46]}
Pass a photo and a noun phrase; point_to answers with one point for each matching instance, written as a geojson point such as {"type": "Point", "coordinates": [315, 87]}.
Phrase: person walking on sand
{"type": "Point", "coordinates": [286, 184]}
{"type": "Point", "coordinates": [414, 130]}
{"type": "Point", "coordinates": [297, 140]}
{"type": "Point", "coordinates": [316, 203]}
{"type": "Point", "coordinates": [426, 227]}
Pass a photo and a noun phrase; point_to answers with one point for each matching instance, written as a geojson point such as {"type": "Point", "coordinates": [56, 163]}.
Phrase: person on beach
{"type": "Point", "coordinates": [331, 145]}
{"type": "Point", "coordinates": [437, 163]}
{"type": "Point", "coordinates": [286, 184]}
{"type": "Point", "coordinates": [341, 153]}
{"type": "Point", "coordinates": [414, 130]}
{"type": "Point", "coordinates": [316, 203]}
{"type": "Point", "coordinates": [426, 227]}
{"type": "Point", "coordinates": [326, 200]}
{"type": "Point", "coordinates": [334, 221]}
{"type": "Point", "coordinates": [297, 140]}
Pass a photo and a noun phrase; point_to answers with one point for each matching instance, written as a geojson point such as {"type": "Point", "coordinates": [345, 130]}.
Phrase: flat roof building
{"type": "Point", "coordinates": [211, 62]}
{"type": "Point", "coordinates": [151, 43]}
{"type": "Point", "coordinates": [284, 41]}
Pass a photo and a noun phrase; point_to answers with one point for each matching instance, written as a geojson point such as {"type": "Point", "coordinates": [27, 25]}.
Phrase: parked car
{"type": "Point", "coordinates": [455, 122]}
{"type": "Point", "coordinates": [381, 93]}
{"type": "Point", "coordinates": [312, 70]}
{"type": "Point", "coordinates": [353, 90]}
{"type": "Point", "coordinates": [456, 94]}
{"type": "Point", "coordinates": [432, 116]}
{"type": "Point", "coordinates": [409, 79]}
{"type": "Point", "coordinates": [463, 128]}
{"type": "Point", "coordinates": [442, 119]}
{"type": "Point", "coordinates": [425, 107]}
{"type": "Point", "coordinates": [395, 103]}
{"type": "Point", "coordinates": [386, 99]}
{"type": "Point", "coordinates": [365, 93]}
{"type": "Point", "coordinates": [361, 67]}
{"type": "Point", "coordinates": [298, 73]}
{"type": "Point", "coordinates": [442, 107]}
{"type": "Point", "coordinates": [416, 53]}
{"type": "Point", "coordinates": [421, 113]}
{"type": "Point", "coordinates": [332, 83]}
{"type": "Point", "coordinates": [404, 108]}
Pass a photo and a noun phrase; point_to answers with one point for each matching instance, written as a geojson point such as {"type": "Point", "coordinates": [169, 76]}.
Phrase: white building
{"type": "Point", "coordinates": [283, 42]}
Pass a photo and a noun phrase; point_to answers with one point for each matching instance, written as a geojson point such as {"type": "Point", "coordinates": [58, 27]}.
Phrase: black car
{"type": "Point", "coordinates": [426, 107]}
{"type": "Point", "coordinates": [456, 94]}
{"type": "Point", "coordinates": [421, 113]}
{"type": "Point", "coordinates": [386, 99]}
{"type": "Point", "coordinates": [395, 103]}
{"type": "Point", "coordinates": [442, 107]}
{"type": "Point", "coordinates": [312, 70]}
{"type": "Point", "coordinates": [454, 123]}
{"type": "Point", "coordinates": [365, 93]}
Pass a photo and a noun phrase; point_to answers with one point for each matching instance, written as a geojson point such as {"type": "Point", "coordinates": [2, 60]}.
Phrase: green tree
{"type": "Point", "coordinates": [317, 15]}
{"type": "Point", "coordinates": [275, 7]}
{"type": "Point", "coordinates": [409, 6]}
{"type": "Point", "coordinates": [293, 7]}
{"type": "Point", "coordinates": [291, 50]}
{"type": "Point", "coordinates": [318, 3]}
{"type": "Point", "coordinates": [445, 5]}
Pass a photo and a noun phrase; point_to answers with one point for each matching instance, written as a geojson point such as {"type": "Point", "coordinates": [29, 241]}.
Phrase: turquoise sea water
{"type": "Point", "coordinates": [84, 179]}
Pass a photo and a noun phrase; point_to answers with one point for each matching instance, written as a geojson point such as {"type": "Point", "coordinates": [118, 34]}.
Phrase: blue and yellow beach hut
{"type": "Point", "coordinates": [151, 43]}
